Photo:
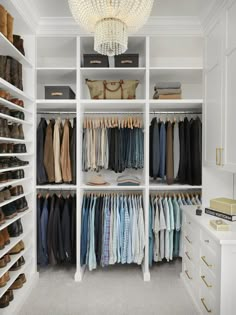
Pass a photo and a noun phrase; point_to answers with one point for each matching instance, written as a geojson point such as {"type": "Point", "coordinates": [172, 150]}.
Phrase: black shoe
{"type": "Point", "coordinates": [20, 148]}
{"type": "Point", "coordinates": [9, 210]}
{"type": "Point", "coordinates": [14, 230]}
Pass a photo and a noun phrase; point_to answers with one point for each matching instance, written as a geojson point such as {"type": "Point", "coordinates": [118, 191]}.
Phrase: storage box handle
{"type": "Point", "coordinates": [95, 62]}
{"type": "Point", "coordinates": [126, 61]}
{"type": "Point", "coordinates": [56, 94]}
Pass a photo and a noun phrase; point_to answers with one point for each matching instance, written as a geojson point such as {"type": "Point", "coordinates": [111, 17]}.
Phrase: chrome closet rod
{"type": "Point", "coordinates": [180, 112]}
{"type": "Point", "coordinates": [152, 112]}
{"type": "Point", "coordinates": [45, 113]}
{"type": "Point", "coordinates": [111, 113]}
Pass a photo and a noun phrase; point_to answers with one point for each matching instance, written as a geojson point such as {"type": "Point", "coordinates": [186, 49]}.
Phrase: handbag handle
{"type": "Point", "coordinates": [119, 87]}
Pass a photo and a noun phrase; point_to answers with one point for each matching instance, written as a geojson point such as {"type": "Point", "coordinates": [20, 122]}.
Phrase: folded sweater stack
{"type": "Point", "coordinates": [128, 180]}
{"type": "Point", "coordinates": [167, 90]}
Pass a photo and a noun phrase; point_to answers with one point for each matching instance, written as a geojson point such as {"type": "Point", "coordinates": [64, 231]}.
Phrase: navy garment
{"type": "Point", "coordinates": [51, 257]}
{"type": "Point", "coordinates": [188, 164]}
{"type": "Point", "coordinates": [44, 227]}
{"type": "Point", "coordinates": [65, 229]}
{"type": "Point", "coordinates": [182, 163]}
{"type": "Point", "coordinates": [73, 229]}
{"type": "Point", "coordinates": [162, 150]}
{"type": "Point", "coordinates": [84, 233]}
{"type": "Point", "coordinates": [41, 132]}
{"type": "Point", "coordinates": [40, 254]}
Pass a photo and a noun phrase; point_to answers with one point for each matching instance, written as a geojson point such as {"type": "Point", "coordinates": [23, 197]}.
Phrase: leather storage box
{"type": "Point", "coordinates": [96, 61]}
{"type": "Point", "coordinates": [127, 61]}
{"type": "Point", "coordinates": [59, 93]}
{"type": "Point", "coordinates": [224, 205]}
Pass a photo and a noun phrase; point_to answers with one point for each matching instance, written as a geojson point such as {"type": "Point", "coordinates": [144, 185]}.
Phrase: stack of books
{"type": "Point", "coordinates": [223, 208]}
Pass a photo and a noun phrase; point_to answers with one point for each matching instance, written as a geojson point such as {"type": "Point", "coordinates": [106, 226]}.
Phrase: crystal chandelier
{"type": "Point", "coordinates": [110, 21]}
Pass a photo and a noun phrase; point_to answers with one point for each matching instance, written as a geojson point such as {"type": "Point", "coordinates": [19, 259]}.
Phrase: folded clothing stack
{"type": "Point", "coordinates": [167, 90]}
{"type": "Point", "coordinates": [97, 180]}
{"type": "Point", "coordinates": [128, 180]}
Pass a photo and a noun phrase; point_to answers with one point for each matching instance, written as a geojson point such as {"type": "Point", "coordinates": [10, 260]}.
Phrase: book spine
{"type": "Point", "coordinates": [220, 215]}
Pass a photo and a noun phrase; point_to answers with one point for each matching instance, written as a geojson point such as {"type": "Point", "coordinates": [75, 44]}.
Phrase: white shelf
{"type": "Point", "coordinates": [59, 105]}
{"type": "Point", "coordinates": [20, 215]}
{"type": "Point", "coordinates": [112, 73]}
{"type": "Point", "coordinates": [8, 49]}
{"type": "Point", "coordinates": [57, 187]}
{"type": "Point", "coordinates": [113, 102]}
{"type": "Point", "coordinates": [15, 120]}
{"type": "Point", "coordinates": [14, 259]}
{"type": "Point", "coordinates": [14, 182]}
{"type": "Point", "coordinates": [13, 242]}
{"type": "Point", "coordinates": [11, 140]}
{"type": "Point", "coordinates": [112, 187]}
{"type": "Point", "coordinates": [176, 68]}
{"type": "Point", "coordinates": [13, 277]}
{"type": "Point", "coordinates": [14, 154]}
{"type": "Point", "coordinates": [11, 105]}
{"type": "Point", "coordinates": [178, 105]}
{"type": "Point", "coordinates": [14, 91]}
{"type": "Point", "coordinates": [14, 199]}
{"type": "Point", "coordinates": [9, 169]}
{"type": "Point", "coordinates": [172, 187]}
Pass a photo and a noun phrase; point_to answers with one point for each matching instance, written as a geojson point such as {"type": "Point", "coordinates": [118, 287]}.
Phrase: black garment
{"type": "Point", "coordinates": [73, 229]}
{"type": "Point", "coordinates": [156, 148]}
{"type": "Point", "coordinates": [58, 248]}
{"type": "Point", "coordinates": [151, 149]}
{"type": "Point", "coordinates": [73, 151]}
{"type": "Point", "coordinates": [188, 139]}
{"type": "Point", "coordinates": [65, 229]}
{"type": "Point", "coordinates": [196, 145]}
{"type": "Point", "coordinates": [40, 254]}
{"type": "Point", "coordinates": [97, 227]}
{"type": "Point", "coordinates": [182, 167]}
{"type": "Point", "coordinates": [41, 132]}
{"type": "Point", "coordinates": [51, 257]}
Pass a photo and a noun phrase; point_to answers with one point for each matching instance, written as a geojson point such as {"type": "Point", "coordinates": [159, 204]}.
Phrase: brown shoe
{"type": "Point", "coordinates": [17, 248]}
{"type": "Point", "coordinates": [19, 43]}
{"type": "Point", "coordinates": [22, 277]}
{"type": "Point", "coordinates": [10, 22]}
{"type": "Point", "coordinates": [17, 284]}
{"type": "Point", "coordinates": [21, 132]}
{"type": "Point", "coordinates": [15, 132]}
{"type": "Point", "coordinates": [10, 295]}
{"type": "Point", "coordinates": [3, 281]}
{"type": "Point", "coordinates": [6, 194]}
{"type": "Point", "coordinates": [3, 177]}
{"type": "Point", "coordinates": [10, 148]}
{"type": "Point", "coordinates": [2, 262]}
{"type": "Point", "coordinates": [3, 21]}
{"type": "Point", "coordinates": [7, 258]}
{"type": "Point", "coordinates": [2, 242]}
{"type": "Point", "coordinates": [4, 300]}
{"type": "Point", "coordinates": [7, 276]}
{"type": "Point", "coordinates": [3, 148]}
{"type": "Point", "coordinates": [2, 217]}
{"type": "Point", "coordinates": [6, 236]}
{"type": "Point", "coordinates": [4, 94]}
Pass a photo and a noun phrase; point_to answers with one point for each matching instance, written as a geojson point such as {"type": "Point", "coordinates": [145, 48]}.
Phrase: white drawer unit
{"type": "Point", "coordinates": [208, 267]}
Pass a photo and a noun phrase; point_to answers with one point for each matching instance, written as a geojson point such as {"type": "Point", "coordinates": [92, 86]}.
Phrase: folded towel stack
{"type": "Point", "coordinates": [128, 180]}
{"type": "Point", "coordinates": [167, 90]}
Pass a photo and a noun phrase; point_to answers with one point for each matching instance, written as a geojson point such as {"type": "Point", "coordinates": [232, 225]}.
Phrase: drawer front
{"type": "Point", "coordinates": [209, 242]}
{"type": "Point", "coordinates": [190, 276]}
{"type": "Point", "coordinates": [210, 261]}
{"type": "Point", "coordinates": [208, 304]}
{"type": "Point", "coordinates": [190, 235]}
{"type": "Point", "coordinates": [189, 253]}
{"type": "Point", "coordinates": [208, 281]}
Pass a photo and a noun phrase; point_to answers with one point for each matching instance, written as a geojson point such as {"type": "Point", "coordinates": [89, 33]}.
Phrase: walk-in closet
{"type": "Point", "coordinates": [117, 157]}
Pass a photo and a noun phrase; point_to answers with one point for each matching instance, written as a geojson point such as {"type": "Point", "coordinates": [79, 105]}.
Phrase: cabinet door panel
{"type": "Point", "coordinates": [230, 97]}
{"type": "Point", "coordinates": [213, 94]}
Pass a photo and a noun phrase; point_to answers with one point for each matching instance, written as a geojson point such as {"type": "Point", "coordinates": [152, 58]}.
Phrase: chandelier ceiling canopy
{"type": "Point", "coordinates": [111, 21]}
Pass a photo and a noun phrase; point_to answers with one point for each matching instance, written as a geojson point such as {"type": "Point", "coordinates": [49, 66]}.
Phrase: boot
{"type": "Point", "coordinates": [10, 22]}
{"type": "Point", "coordinates": [6, 129]}
{"type": "Point", "coordinates": [14, 73]}
{"type": "Point", "coordinates": [3, 21]}
{"type": "Point", "coordinates": [8, 70]}
{"type": "Point", "coordinates": [20, 78]}
{"type": "Point", "coordinates": [6, 236]}
{"type": "Point", "coordinates": [21, 132]}
{"type": "Point", "coordinates": [15, 132]}
{"type": "Point", "coordinates": [2, 243]}
{"type": "Point", "coordinates": [3, 63]}
{"type": "Point", "coordinates": [19, 43]}
{"type": "Point", "coordinates": [2, 133]}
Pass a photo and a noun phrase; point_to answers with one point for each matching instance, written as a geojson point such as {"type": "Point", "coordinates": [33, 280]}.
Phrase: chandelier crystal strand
{"type": "Point", "coordinates": [111, 21]}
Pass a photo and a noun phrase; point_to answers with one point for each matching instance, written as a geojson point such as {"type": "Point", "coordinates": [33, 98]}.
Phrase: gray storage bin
{"type": "Point", "coordinates": [59, 93]}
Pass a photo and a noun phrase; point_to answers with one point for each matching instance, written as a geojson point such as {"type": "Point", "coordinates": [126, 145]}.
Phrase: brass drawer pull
{"type": "Point", "coordinates": [204, 260]}
{"type": "Point", "coordinates": [204, 304]}
{"type": "Point", "coordinates": [187, 254]}
{"type": "Point", "coordinates": [187, 274]}
{"type": "Point", "coordinates": [190, 242]}
{"type": "Point", "coordinates": [204, 280]}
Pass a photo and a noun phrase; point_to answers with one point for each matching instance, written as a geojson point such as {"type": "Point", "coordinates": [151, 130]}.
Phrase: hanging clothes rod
{"type": "Point", "coordinates": [179, 112]}
{"type": "Point", "coordinates": [112, 113]}
{"type": "Point", "coordinates": [53, 112]}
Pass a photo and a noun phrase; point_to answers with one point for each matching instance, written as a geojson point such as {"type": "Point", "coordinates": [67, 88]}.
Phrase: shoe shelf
{"type": "Point", "coordinates": [11, 105]}
{"type": "Point", "coordinates": [13, 277]}
{"type": "Point", "coordinates": [15, 198]}
{"type": "Point", "coordinates": [57, 187]}
{"type": "Point", "coordinates": [15, 120]}
{"type": "Point", "coordinates": [14, 182]}
{"type": "Point", "coordinates": [3, 139]}
{"type": "Point", "coordinates": [112, 187]}
{"type": "Point", "coordinates": [14, 154]}
{"type": "Point", "coordinates": [14, 259]}
{"type": "Point", "coordinates": [14, 91]}
{"type": "Point", "coordinates": [19, 215]}
{"type": "Point", "coordinates": [9, 169]}
{"type": "Point", "coordinates": [13, 242]}
{"type": "Point", "coordinates": [8, 49]}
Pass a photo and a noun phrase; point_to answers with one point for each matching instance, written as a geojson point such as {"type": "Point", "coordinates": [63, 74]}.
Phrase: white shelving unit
{"type": "Point", "coordinates": [60, 62]}
{"type": "Point", "coordinates": [28, 217]}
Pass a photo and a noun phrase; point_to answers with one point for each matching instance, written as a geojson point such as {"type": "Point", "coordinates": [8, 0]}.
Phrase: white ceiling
{"type": "Point", "coordinates": [60, 8]}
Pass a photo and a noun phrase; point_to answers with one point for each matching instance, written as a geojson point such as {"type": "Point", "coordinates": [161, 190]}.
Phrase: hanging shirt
{"type": "Point", "coordinates": [172, 227]}
{"type": "Point", "coordinates": [156, 230]}
{"type": "Point", "coordinates": [141, 231]}
{"type": "Point", "coordinates": [106, 235]}
{"type": "Point", "coordinates": [162, 228]}
{"type": "Point", "coordinates": [168, 228]}
{"type": "Point", "coordinates": [126, 232]}
{"type": "Point", "coordinates": [176, 149]}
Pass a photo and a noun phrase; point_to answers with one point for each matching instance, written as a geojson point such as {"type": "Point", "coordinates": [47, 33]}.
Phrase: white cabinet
{"type": "Point", "coordinates": [213, 108]}
{"type": "Point", "coordinates": [220, 87]}
{"type": "Point", "coordinates": [208, 268]}
{"type": "Point", "coordinates": [229, 154]}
